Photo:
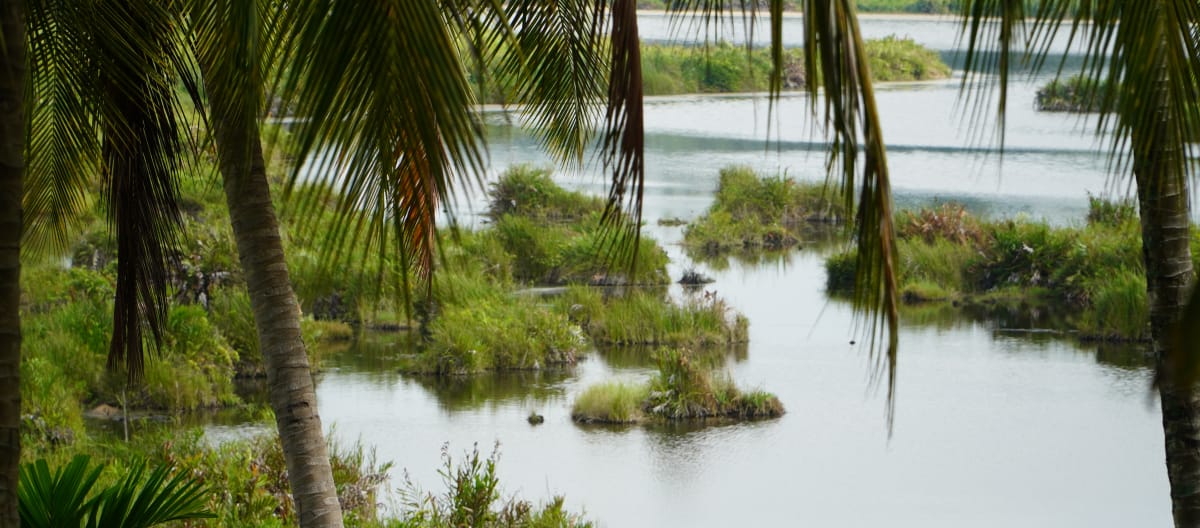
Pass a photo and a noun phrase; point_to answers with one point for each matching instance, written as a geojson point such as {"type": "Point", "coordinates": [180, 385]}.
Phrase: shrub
{"type": "Point", "coordinates": [473, 498]}
{"type": "Point", "coordinates": [753, 212]}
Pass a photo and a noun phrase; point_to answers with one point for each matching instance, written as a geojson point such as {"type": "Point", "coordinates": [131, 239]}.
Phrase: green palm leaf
{"type": "Point", "coordinates": [60, 498]}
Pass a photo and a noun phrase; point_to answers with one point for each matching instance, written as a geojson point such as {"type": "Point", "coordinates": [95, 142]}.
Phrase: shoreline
{"type": "Point", "coordinates": [799, 14]}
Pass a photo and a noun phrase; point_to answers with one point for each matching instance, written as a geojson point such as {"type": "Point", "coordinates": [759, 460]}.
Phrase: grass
{"type": "Point", "coordinates": [612, 402]}
{"type": "Point", "coordinates": [553, 236]}
{"type": "Point", "coordinates": [682, 390]}
{"type": "Point", "coordinates": [753, 212]}
{"type": "Point", "coordinates": [722, 67]}
{"type": "Point", "coordinates": [1094, 269]}
{"type": "Point", "coordinates": [649, 318]}
{"type": "Point", "coordinates": [472, 497]}
{"type": "Point", "coordinates": [726, 68]}
{"type": "Point", "coordinates": [901, 59]}
{"type": "Point", "coordinates": [1075, 94]}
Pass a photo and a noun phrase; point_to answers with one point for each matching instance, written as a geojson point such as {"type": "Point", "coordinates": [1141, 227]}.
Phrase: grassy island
{"type": "Point", "coordinates": [1091, 273]}
{"type": "Point", "coordinates": [682, 390]}
{"type": "Point", "coordinates": [725, 68]}
{"type": "Point", "coordinates": [1075, 94]}
{"type": "Point", "coordinates": [753, 212]}
{"type": "Point", "coordinates": [488, 311]}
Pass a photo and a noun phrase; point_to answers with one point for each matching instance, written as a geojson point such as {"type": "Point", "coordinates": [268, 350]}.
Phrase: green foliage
{"type": "Point", "coordinates": [946, 254]}
{"type": "Point", "coordinates": [684, 389]}
{"type": "Point", "coordinates": [67, 328]}
{"type": "Point", "coordinates": [650, 318]}
{"type": "Point", "coordinates": [472, 498]}
{"type": "Point", "coordinates": [493, 330]}
{"type": "Point", "coordinates": [753, 212]}
{"type": "Point", "coordinates": [1111, 213]}
{"type": "Point", "coordinates": [526, 191]}
{"type": "Point", "coordinates": [610, 402]}
{"type": "Point", "coordinates": [1076, 94]}
{"type": "Point", "coordinates": [553, 236]}
{"type": "Point", "coordinates": [196, 367]}
{"type": "Point", "coordinates": [65, 498]}
{"type": "Point", "coordinates": [721, 67]}
{"type": "Point", "coordinates": [1119, 306]}
{"type": "Point", "coordinates": [249, 483]}
{"type": "Point", "coordinates": [724, 68]}
{"type": "Point", "coordinates": [939, 7]}
{"type": "Point", "coordinates": [902, 59]}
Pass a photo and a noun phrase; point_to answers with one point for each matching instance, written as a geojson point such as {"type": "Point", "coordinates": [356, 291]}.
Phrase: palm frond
{"type": "Point", "coordinates": [623, 139]}
{"type": "Point", "coordinates": [388, 115]}
{"type": "Point", "coordinates": [557, 64]}
{"type": "Point", "coordinates": [232, 48]}
{"type": "Point", "coordinates": [50, 499]}
{"type": "Point", "coordinates": [839, 76]}
{"type": "Point", "coordinates": [836, 49]}
{"type": "Point", "coordinates": [1148, 52]}
{"type": "Point", "coordinates": [62, 153]}
{"type": "Point", "coordinates": [140, 55]}
{"type": "Point", "coordinates": [63, 497]}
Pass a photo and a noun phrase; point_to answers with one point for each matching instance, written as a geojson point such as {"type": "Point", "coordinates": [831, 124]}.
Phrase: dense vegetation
{"type": "Point", "coordinates": [542, 235]}
{"type": "Point", "coordinates": [723, 67]}
{"type": "Point", "coordinates": [684, 389]}
{"type": "Point", "coordinates": [752, 212]}
{"type": "Point", "coordinates": [726, 68]}
{"type": "Point", "coordinates": [864, 6]}
{"type": "Point", "coordinates": [1075, 94]}
{"type": "Point", "coordinates": [1093, 273]}
{"type": "Point", "coordinates": [474, 320]}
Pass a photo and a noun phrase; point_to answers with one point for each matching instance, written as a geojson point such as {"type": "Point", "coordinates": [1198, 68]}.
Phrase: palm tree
{"type": "Point", "coordinates": [1150, 53]}
{"type": "Point", "coordinates": [12, 173]}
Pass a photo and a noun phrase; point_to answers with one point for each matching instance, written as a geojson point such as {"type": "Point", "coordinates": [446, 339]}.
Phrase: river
{"type": "Point", "coordinates": [993, 427]}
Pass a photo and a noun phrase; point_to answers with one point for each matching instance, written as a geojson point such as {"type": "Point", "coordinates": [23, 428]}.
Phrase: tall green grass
{"type": "Point", "coordinates": [610, 402]}
{"type": "Point", "coordinates": [684, 389]}
{"type": "Point", "coordinates": [756, 212]}
{"type": "Point", "coordinates": [1095, 268]}
{"type": "Point", "coordinates": [650, 318]}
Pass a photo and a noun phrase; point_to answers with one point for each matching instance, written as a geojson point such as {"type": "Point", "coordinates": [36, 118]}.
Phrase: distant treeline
{"type": "Point", "coordinates": [864, 6]}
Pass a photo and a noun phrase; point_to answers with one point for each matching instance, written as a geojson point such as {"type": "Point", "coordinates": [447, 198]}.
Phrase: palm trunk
{"type": "Point", "coordinates": [12, 172]}
{"type": "Point", "coordinates": [1163, 203]}
{"type": "Point", "coordinates": [277, 319]}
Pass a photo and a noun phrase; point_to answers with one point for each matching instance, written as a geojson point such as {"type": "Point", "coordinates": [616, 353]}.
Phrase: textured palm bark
{"type": "Point", "coordinates": [1163, 204]}
{"type": "Point", "coordinates": [12, 172]}
{"type": "Point", "coordinates": [277, 319]}
{"type": "Point", "coordinates": [1165, 237]}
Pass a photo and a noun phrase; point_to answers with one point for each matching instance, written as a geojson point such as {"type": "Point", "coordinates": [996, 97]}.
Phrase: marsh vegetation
{"type": "Point", "coordinates": [1092, 271]}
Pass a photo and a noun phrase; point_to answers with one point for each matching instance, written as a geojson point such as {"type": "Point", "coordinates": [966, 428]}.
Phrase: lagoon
{"type": "Point", "coordinates": [995, 425]}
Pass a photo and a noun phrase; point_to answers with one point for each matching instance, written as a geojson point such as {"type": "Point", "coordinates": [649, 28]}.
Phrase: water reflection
{"type": "Point", "coordinates": [497, 389]}
{"type": "Point", "coordinates": [1029, 323]}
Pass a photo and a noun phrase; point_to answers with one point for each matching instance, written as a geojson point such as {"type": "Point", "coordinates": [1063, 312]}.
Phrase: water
{"type": "Point", "coordinates": [994, 426]}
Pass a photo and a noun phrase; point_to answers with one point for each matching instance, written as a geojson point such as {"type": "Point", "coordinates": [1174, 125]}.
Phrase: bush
{"type": "Point", "coordinates": [472, 498]}
{"type": "Point", "coordinates": [498, 333]}
{"type": "Point", "coordinates": [753, 212]}
{"type": "Point", "coordinates": [902, 59]}
{"type": "Point", "coordinates": [1076, 94]}
{"type": "Point", "coordinates": [682, 390]}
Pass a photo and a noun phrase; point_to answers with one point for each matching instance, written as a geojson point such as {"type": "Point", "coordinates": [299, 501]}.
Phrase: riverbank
{"type": "Point", "coordinates": [1091, 274]}
{"type": "Point", "coordinates": [866, 8]}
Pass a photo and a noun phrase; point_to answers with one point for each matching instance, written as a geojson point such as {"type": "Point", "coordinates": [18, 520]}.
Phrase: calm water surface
{"type": "Point", "coordinates": [994, 426]}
